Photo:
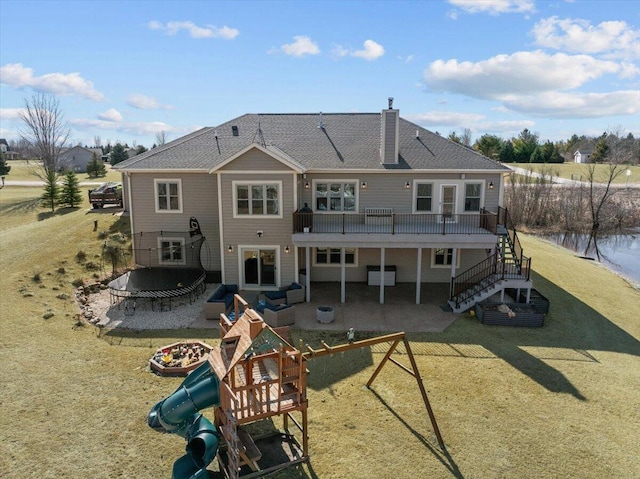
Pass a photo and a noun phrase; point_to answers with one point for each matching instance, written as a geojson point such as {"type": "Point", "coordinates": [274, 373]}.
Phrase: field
{"type": "Point", "coordinates": [560, 401]}
{"type": "Point", "coordinates": [577, 171]}
{"type": "Point", "coordinates": [21, 170]}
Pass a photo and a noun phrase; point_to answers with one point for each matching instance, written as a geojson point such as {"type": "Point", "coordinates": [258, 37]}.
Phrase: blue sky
{"type": "Point", "coordinates": [126, 70]}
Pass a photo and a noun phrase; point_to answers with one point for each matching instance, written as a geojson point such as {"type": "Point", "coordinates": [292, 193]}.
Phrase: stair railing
{"type": "Point", "coordinates": [462, 284]}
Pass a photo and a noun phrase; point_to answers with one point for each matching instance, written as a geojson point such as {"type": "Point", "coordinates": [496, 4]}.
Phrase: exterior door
{"type": "Point", "coordinates": [259, 267]}
{"type": "Point", "coordinates": [448, 194]}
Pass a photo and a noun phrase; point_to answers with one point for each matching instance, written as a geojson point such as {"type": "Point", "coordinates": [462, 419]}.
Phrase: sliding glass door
{"type": "Point", "coordinates": [259, 267]}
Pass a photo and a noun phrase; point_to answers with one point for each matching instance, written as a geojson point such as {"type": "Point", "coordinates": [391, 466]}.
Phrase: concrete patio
{"type": "Point", "coordinates": [363, 311]}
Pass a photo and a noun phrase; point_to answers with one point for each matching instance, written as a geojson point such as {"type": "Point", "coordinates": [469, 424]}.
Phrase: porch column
{"type": "Point", "coordinates": [307, 279]}
{"type": "Point", "coordinates": [419, 276]}
{"type": "Point", "coordinates": [342, 276]}
{"type": "Point", "coordinates": [454, 260]}
{"type": "Point", "coordinates": [382, 254]}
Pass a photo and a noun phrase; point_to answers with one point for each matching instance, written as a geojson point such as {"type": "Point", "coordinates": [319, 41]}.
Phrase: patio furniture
{"type": "Point", "coordinates": [291, 294]}
{"type": "Point", "coordinates": [220, 301]}
{"type": "Point", "coordinates": [276, 315]}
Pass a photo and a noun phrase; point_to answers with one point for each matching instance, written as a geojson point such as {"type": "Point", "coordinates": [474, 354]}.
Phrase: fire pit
{"type": "Point", "coordinates": [178, 359]}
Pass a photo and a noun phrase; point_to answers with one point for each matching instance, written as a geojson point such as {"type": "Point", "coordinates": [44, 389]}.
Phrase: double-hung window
{"type": "Point", "coordinates": [424, 197]}
{"type": "Point", "coordinates": [171, 250]}
{"type": "Point", "coordinates": [472, 196]}
{"type": "Point", "coordinates": [335, 196]}
{"type": "Point", "coordinates": [443, 257]}
{"type": "Point", "coordinates": [168, 196]}
{"type": "Point", "coordinates": [331, 257]}
{"type": "Point", "coordinates": [257, 199]}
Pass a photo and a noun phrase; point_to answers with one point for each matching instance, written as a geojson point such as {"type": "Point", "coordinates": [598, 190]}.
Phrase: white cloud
{"type": "Point", "coordinates": [476, 122]}
{"type": "Point", "coordinates": [144, 102]}
{"type": "Point", "coordinates": [132, 128]}
{"type": "Point", "coordinates": [615, 38]}
{"type": "Point", "coordinates": [110, 115]}
{"type": "Point", "coordinates": [339, 51]}
{"type": "Point", "coordinates": [371, 51]}
{"type": "Point", "coordinates": [445, 118]}
{"type": "Point", "coordinates": [64, 84]}
{"type": "Point", "coordinates": [301, 46]}
{"type": "Point", "coordinates": [10, 113]}
{"type": "Point", "coordinates": [493, 7]}
{"type": "Point", "coordinates": [521, 73]}
{"type": "Point", "coordinates": [208, 31]}
{"type": "Point", "coordinates": [578, 105]}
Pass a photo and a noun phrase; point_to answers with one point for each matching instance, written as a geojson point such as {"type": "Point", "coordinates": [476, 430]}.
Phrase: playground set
{"type": "Point", "coordinates": [254, 375]}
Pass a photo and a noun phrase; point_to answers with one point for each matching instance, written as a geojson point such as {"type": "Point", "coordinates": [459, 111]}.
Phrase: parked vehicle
{"type": "Point", "coordinates": [106, 194]}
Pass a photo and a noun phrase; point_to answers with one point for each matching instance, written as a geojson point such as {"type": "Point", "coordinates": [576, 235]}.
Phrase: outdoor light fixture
{"type": "Point", "coordinates": [491, 185]}
{"type": "Point", "coordinates": [306, 185]}
{"type": "Point", "coordinates": [230, 248]}
{"type": "Point", "coordinates": [407, 185]}
{"type": "Point", "coordinates": [363, 185]}
{"type": "Point", "coordinates": [286, 249]}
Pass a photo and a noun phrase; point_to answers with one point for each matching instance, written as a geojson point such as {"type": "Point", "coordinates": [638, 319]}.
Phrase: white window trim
{"type": "Point", "coordinates": [240, 257]}
{"type": "Point", "coordinates": [234, 185]}
{"type": "Point", "coordinates": [161, 239]}
{"type": "Point", "coordinates": [464, 195]}
{"type": "Point", "coordinates": [448, 266]}
{"type": "Point", "coordinates": [158, 181]}
{"type": "Point", "coordinates": [334, 265]}
{"type": "Point", "coordinates": [357, 185]}
{"type": "Point", "coordinates": [414, 206]}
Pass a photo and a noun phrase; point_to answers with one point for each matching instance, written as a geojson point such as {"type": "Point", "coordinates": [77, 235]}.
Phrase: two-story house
{"type": "Point", "coordinates": [328, 197]}
{"type": "Point", "coordinates": [77, 158]}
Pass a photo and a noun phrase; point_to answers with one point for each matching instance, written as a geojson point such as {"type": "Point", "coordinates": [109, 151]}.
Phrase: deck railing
{"type": "Point", "coordinates": [484, 222]}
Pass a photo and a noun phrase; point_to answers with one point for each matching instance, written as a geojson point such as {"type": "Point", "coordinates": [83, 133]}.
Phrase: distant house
{"type": "Point", "coordinates": [131, 152]}
{"type": "Point", "coordinates": [7, 152]}
{"type": "Point", "coordinates": [77, 158]}
{"type": "Point", "coordinates": [583, 156]}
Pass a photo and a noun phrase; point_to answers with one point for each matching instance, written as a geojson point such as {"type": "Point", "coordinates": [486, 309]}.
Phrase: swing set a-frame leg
{"type": "Point", "coordinates": [415, 372]}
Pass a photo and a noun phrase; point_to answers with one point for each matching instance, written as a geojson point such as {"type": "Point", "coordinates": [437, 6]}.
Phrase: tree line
{"type": "Point", "coordinates": [611, 146]}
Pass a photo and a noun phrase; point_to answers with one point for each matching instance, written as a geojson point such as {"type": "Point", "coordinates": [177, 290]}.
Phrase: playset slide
{"type": "Point", "coordinates": [179, 414]}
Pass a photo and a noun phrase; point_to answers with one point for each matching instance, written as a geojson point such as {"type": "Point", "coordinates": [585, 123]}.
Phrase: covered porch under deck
{"type": "Point", "coordinates": [414, 244]}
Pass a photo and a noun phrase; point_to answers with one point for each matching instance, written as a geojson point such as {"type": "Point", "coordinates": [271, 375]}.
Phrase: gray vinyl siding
{"type": "Point", "coordinates": [388, 190]}
{"type": "Point", "coordinates": [405, 261]}
{"type": "Point", "coordinates": [243, 231]}
{"type": "Point", "coordinates": [199, 199]}
{"type": "Point", "coordinates": [255, 160]}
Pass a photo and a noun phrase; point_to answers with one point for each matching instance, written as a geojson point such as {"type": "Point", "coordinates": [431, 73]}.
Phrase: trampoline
{"type": "Point", "coordinates": [171, 268]}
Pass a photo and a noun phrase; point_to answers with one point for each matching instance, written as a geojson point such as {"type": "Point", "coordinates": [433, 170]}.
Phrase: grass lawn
{"type": "Point", "coordinates": [23, 171]}
{"type": "Point", "coordinates": [560, 401]}
{"type": "Point", "coordinates": [578, 171]}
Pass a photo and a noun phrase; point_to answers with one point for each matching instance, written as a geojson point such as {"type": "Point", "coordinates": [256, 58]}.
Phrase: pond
{"type": "Point", "coordinates": [619, 252]}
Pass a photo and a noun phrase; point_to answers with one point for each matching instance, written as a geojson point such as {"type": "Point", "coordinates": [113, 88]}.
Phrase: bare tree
{"type": "Point", "coordinates": [599, 190]}
{"type": "Point", "coordinates": [44, 129]}
{"type": "Point", "coordinates": [47, 134]}
{"type": "Point", "coordinates": [161, 137]}
{"type": "Point", "coordinates": [97, 141]}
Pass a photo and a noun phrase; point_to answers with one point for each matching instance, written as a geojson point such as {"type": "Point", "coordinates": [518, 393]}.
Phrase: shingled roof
{"type": "Point", "coordinates": [346, 141]}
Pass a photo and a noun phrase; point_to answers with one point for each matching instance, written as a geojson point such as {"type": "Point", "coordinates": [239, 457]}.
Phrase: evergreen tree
{"type": "Point", "coordinates": [507, 155]}
{"type": "Point", "coordinates": [118, 154]}
{"type": "Point", "coordinates": [4, 168]}
{"type": "Point", "coordinates": [601, 151]}
{"type": "Point", "coordinates": [488, 145]}
{"type": "Point", "coordinates": [96, 167]}
{"type": "Point", "coordinates": [70, 195]}
{"type": "Point", "coordinates": [51, 189]}
{"type": "Point", "coordinates": [537, 156]}
{"type": "Point", "coordinates": [524, 146]}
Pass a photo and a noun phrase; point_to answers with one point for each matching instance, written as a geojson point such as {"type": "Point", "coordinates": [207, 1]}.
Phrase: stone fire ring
{"type": "Point", "coordinates": [174, 360]}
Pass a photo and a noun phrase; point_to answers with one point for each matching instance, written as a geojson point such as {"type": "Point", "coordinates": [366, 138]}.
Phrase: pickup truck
{"type": "Point", "coordinates": [106, 194]}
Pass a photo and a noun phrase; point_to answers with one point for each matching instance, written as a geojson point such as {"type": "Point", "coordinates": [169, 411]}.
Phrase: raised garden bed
{"type": "Point", "coordinates": [178, 359]}
{"type": "Point", "coordinates": [509, 314]}
{"type": "Point", "coordinates": [537, 299]}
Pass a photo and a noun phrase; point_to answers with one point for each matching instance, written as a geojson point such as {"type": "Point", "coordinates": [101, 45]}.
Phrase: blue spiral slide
{"type": "Point", "coordinates": [179, 414]}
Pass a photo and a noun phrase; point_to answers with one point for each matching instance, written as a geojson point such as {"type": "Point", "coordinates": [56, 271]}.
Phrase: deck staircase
{"type": "Point", "coordinates": [505, 268]}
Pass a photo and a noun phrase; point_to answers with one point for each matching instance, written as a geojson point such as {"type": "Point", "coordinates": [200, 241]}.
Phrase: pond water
{"type": "Point", "coordinates": [619, 253]}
